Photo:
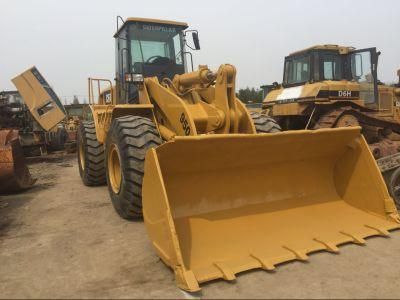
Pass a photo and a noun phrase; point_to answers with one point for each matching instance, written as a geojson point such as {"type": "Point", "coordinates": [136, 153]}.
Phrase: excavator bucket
{"type": "Point", "coordinates": [14, 174]}
{"type": "Point", "coordinates": [217, 205]}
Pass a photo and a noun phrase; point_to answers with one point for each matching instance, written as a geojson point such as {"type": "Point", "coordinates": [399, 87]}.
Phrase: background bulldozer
{"type": "Point", "coordinates": [332, 86]}
{"type": "Point", "coordinates": [217, 198]}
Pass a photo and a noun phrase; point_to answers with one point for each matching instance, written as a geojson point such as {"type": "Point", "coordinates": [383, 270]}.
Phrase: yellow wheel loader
{"type": "Point", "coordinates": [40, 114]}
{"type": "Point", "coordinates": [217, 198]}
{"type": "Point", "coordinates": [329, 86]}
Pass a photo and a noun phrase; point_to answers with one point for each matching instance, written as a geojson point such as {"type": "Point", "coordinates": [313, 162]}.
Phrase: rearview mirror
{"type": "Point", "coordinates": [196, 41]}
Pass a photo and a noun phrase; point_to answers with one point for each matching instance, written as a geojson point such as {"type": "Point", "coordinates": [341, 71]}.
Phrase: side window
{"type": "Point", "coordinates": [177, 50]}
{"type": "Point", "coordinates": [287, 69]}
{"type": "Point", "coordinates": [361, 67]}
{"type": "Point", "coordinates": [121, 57]}
{"type": "Point", "coordinates": [329, 70]}
{"type": "Point", "coordinates": [304, 72]}
{"type": "Point", "coordinates": [332, 65]}
{"type": "Point", "coordinates": [362, 73]}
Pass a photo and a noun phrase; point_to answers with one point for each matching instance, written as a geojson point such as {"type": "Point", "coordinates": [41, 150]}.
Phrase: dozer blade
{"type": "Point", "coordinates": [14, 174]}
{"type": "Point", "coordinates": [218, 205]}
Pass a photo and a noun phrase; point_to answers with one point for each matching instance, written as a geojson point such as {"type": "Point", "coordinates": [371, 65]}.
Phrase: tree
{"type": "Point", "coordinates": [252, 95]}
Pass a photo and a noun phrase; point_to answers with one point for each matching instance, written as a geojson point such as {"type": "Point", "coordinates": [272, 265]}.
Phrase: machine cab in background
{"type": "Point", "coordinates": [334, 63]}
{"type": "Point", "coordinates": [148, 48]}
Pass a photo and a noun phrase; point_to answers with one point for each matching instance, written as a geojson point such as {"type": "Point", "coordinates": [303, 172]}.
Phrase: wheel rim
{"type": "Point", "coordinates": [82, 154]}
{"type": "Point", "coordinates": [114, 169]}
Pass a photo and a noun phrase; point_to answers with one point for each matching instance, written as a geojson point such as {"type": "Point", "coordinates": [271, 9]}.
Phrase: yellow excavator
{"type": "Point", "coordinates": [217, 198]}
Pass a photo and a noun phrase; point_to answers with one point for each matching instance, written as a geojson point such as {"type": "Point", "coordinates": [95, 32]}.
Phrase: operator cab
{"type": "Point", "coordinates": [149, 48]}
{"type": "Point", "coordinates": [334, 63]}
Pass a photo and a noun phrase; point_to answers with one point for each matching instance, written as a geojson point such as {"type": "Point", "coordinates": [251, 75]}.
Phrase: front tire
{"type": "Point", "coordinates": [128, 140]}
{"type": "Point", "coordinates": [264, 124]}
{"type": "Point", "coordinates": [90, 156]}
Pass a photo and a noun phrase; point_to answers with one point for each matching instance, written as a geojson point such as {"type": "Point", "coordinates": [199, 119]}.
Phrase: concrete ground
{"type": "Point", "coordinates": [64, 240]}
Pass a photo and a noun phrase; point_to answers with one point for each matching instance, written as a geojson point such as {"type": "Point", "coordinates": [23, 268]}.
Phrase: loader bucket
{"type": "Point", "coordinates": [14, 174]}
{"type": "Point", "coordinates": [217, 205]}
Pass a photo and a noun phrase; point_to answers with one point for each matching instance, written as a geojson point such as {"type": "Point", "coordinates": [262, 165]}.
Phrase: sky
{"type": "Point", "coordinates": [72, 40]}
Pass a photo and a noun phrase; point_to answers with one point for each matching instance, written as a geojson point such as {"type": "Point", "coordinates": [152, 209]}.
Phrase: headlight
{"type": "Point", "coordinates": [135, 78]}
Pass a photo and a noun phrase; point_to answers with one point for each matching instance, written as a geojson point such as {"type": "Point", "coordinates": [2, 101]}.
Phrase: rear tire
{"type": "Point", "coordinates": [58, 139]}
{"type": "Point", "coordinates": [128, 140]}
{"type": "Point", "coordinates": [264, 124]}
{"type": "Point", "coordinates": [90, 156]}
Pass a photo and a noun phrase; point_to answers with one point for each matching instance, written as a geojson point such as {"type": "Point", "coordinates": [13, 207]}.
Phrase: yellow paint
{"type": "Point", "coordinates": [219, 205]}
{"type": "Point", "coordinates": [35, 97]}
{"type": "Point", "coordinates": [219, 199]}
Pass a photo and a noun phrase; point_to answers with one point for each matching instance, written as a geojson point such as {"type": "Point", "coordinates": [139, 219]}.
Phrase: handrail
{"type": "Point", "coordinates": [90, 89]}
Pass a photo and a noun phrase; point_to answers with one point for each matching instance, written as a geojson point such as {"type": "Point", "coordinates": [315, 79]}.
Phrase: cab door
{"type": "Point", "coordinates": [43, 103]}
{"type": "Point", "coordinates": [363, 70]}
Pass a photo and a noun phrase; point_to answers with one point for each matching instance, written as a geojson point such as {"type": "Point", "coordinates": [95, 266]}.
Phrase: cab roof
{"type": "Point", "coordinates": [151, 21]}
{"type": "Point", "coordinates": [340, 49]}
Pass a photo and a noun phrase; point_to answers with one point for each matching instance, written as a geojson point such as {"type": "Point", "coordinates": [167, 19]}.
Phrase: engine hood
{"type": "Point", "coordinates": [326, 90]}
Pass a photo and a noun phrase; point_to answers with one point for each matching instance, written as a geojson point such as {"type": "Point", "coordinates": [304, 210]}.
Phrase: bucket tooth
{"type": "Point", "coordinates": [381, 231]}
{"type": "Point", "coordinates": [331, 247]}
{"type": "Point", "coordinates": [302, 256]}
{"type": "Point", "coordinates": [186, 280]}
{"type": "Point", "coordinates": [265, 264]}
{"type": "Point", "coordinates": [356, 238]}
{"type": "Point", "coordinates": [226, 271]}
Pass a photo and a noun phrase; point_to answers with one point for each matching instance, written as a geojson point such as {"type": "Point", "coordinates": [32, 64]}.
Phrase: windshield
{"type": "Point", "coordinates": [297, 70]}
{"type": "Point", "coordinates": [156, 45]}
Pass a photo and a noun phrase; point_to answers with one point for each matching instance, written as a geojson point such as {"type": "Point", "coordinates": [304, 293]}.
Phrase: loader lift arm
{"type": "Point", "coordinates": [200, 102]}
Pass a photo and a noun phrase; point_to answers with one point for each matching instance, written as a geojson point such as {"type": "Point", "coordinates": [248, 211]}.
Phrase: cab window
{"type": "Point", "coordinates": [332, 67]}
{"type": "Point", "coordinates": [155, 45]}
{"type": "Point", "coordinates": [297, 70]}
